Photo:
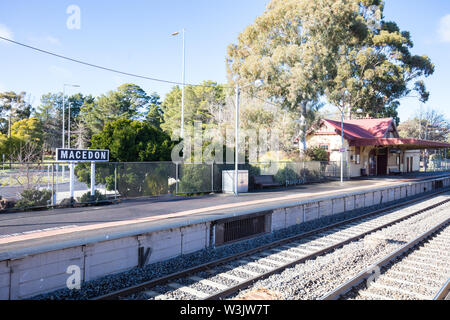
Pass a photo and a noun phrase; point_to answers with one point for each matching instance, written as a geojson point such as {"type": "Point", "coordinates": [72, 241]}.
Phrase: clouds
{"type": "Point", "coordinates": [444, 29]}
{"type": "Point", "coordinates": [5, 32]}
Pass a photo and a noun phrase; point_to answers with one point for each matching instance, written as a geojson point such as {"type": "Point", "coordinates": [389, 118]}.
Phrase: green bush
{"type": "Point", "coordinates": [86, 198]}
{"type": "Point", "coordinates": [287, 176]}
{"type": "Point", "coordinates": [317, 154]}
{"type": "Point", "coordinates": [34, 198]}
{"type": "Point", "coordinates": [195, 179]}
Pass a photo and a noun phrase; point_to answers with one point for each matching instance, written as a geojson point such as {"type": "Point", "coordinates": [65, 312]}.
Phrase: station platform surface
{"type": "Point", "coordinates": [23, 231]}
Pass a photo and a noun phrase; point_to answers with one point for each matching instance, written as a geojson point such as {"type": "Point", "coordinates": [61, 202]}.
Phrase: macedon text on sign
{"type": "Point", "coordinates": [82, 155]}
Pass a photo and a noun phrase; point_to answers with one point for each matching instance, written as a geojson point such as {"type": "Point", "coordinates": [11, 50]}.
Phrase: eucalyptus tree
{"type": "Point", "coordinates": [13, 107]}
{"type": "Point", "coordinates": [341, 50]}
{"type": "Point", "coordinates": [377, 70]}
{"type": "Point", "coordinates": [292, 47]}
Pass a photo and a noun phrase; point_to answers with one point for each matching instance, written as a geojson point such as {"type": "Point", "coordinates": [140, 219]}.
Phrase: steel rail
{"type": "Point", "coordinates": [364, 275]}
{"type": "Point", "coordinates": [444, 293]}
{"type": "Point", "coordinates": [209, 265]}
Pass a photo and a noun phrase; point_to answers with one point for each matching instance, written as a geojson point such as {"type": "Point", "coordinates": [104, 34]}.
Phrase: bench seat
{"type": "Point", "coordinates": [265, 182]}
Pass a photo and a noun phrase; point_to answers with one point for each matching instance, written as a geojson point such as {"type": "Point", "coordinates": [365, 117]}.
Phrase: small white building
{"type": "Point", "coordinates": [372, 147]}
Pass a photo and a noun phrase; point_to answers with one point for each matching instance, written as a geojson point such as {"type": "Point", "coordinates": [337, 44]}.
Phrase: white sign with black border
{"type": "Point", "coordinates": [77, 155]}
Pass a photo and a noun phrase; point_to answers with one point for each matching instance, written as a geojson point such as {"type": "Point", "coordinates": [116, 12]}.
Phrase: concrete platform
{"type": "Point", "coordinates": [37, 248]}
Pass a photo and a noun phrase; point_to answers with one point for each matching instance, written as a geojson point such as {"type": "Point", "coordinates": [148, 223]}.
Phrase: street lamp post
{"type": "Point", "coordinates": [72, 165]}
{"type": "Point", "coordinates": [257, 84]}
{"type": "Point", "coordinates": [183, 80]}
{"type": "Point", "coordinates": [64, 110]}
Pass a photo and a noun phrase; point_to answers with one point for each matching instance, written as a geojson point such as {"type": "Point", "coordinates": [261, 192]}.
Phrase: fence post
{"type": "Point", "coordinates": [92, 180]}
{"type": "Point", "coordinates": [53, 185]}
{"type": "Point", "coordinates": [176, 178]}
{"type": "Point", "coordinates": [304, 173]}
{"type": "Point", "coordinates": [212, 177]}
{"type": "Point", "coordinates": [115, 181]}
{"type": "Point", "coordinates": [71, 183]}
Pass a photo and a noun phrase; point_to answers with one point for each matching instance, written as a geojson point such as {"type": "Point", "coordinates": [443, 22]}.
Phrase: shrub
{"type": "Point", "coordinates": [195, 179]}
{"type": "Point", "coordinates": [34, 198]}
{"type": "Point", "coordinates": [317, 154]}
{"type": "Point", "coordinates": [86, 198]}
{"type": "Point", "coordinates": [287, 176]}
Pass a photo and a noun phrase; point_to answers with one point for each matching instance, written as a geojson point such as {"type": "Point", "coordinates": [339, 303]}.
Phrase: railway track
{"type": "Point", "coordinates": [419, 270]}
{"type": "Point", "coordinates": [222, 278]}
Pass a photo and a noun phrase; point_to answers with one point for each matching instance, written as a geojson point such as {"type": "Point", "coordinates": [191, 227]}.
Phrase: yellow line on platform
{"type": "Point", "coordinates": [45, 234]}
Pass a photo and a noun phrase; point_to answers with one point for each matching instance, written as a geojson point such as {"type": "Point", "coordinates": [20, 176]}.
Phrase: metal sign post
{"type": "Point", "coordinates": [73, 156]}
{"type": "Point", "coordinates": [92, 180]}
{"type": "Point", "coordinates": [72, 175]}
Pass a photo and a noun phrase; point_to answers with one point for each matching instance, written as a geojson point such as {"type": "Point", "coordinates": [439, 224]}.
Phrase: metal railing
{"type": "Point", "coordinates": [37, 185]}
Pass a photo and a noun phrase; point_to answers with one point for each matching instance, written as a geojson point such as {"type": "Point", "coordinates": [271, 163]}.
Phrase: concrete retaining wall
{"type": "Point", "coordinates": [348, 202]}
{"type": "Point", "coordinates": [42, 272]}
{"type": "Point", "coordinates": [46, 272]}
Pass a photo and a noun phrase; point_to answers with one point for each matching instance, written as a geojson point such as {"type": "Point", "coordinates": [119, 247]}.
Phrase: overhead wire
{"type": "Point", "coordinates": [121, 72]}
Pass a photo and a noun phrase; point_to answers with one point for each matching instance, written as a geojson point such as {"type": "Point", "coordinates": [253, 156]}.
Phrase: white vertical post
{"type": "Point", "coordinates": [63, 127]}
{"type": "Point", "coordinates": [72, 176]}
{"type": "Point", "coordinates": [53, 186]}
{"type": "Point", "coordinates": [92, 178]}
{"type": "Point", "coordinates": [236, 174]}
{"type": "Point", "coordinates": [68, 129]}
{"type": "Point", "coordinates": [48, 176]}
{"type": "Point", "coordinates": [342, 148]}
{"type": "Point", "coordinates": [64, 118]}
{"type": "Point", "coordinates": [184, 86]}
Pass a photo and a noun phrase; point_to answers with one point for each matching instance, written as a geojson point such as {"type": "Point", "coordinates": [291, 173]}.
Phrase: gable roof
{"type": "Point", "coordinates": [362, 128]}
{"type": "Point", "coordinates": [373, 132]}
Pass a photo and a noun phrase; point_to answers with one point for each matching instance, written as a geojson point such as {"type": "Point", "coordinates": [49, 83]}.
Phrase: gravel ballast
{"type": "Point", "coordinates": [136, 276]}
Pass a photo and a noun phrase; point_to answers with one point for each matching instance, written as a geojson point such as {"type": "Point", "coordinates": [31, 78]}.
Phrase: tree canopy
{"type": "Point", "coordinates": [130, 141]}
{"type": "Point", "coordinates": [343, 50]}
{"type": "Point", "coordinates": [202, 103]}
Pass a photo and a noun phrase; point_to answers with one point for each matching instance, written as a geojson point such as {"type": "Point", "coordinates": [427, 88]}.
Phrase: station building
{"type": "Point", "coordinates": [373, 146]}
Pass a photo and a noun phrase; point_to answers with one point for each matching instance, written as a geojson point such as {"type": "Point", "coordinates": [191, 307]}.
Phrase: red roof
{"type": "Point", "coordinates": [396, 142]}
{"type": "Point", "coordinates": [364, 128]}
{"type": "Point", "coordinates": [374, 132]}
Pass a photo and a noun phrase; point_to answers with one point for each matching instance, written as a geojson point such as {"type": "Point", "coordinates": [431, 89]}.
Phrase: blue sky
{"type": "Point", "coordinates": [135, 36]}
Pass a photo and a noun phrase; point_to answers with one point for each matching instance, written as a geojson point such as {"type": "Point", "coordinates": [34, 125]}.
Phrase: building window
{"type": "Point", "coordinates": [326, 147]}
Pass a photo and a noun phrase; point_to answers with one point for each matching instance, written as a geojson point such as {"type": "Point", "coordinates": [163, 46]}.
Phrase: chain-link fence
{"type": "Point", "coordinates": [38, 185]}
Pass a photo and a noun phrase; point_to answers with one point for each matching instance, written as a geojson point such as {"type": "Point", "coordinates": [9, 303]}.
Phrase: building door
{"type": "Point", "coordinates": [408, 163]}
{"type": "Point", "coordinates": [382, 162]}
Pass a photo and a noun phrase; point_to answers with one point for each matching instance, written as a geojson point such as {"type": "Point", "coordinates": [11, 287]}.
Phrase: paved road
{"type": "Point", "coordinates": [62, 190]}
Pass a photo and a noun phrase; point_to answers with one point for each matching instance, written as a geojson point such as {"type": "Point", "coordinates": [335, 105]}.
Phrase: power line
{"type": "Point", "coordinates": [97, 66]}
{"type": "Point", "coordinates": [121, 72]}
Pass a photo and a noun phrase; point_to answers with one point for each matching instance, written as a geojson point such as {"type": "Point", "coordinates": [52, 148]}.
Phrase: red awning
{"type": "Point", "coordinates": [411, 144]}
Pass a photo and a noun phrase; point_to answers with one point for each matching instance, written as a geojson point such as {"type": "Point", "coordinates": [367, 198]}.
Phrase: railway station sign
{"type": "Point", "coordinates": [77, 155]}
